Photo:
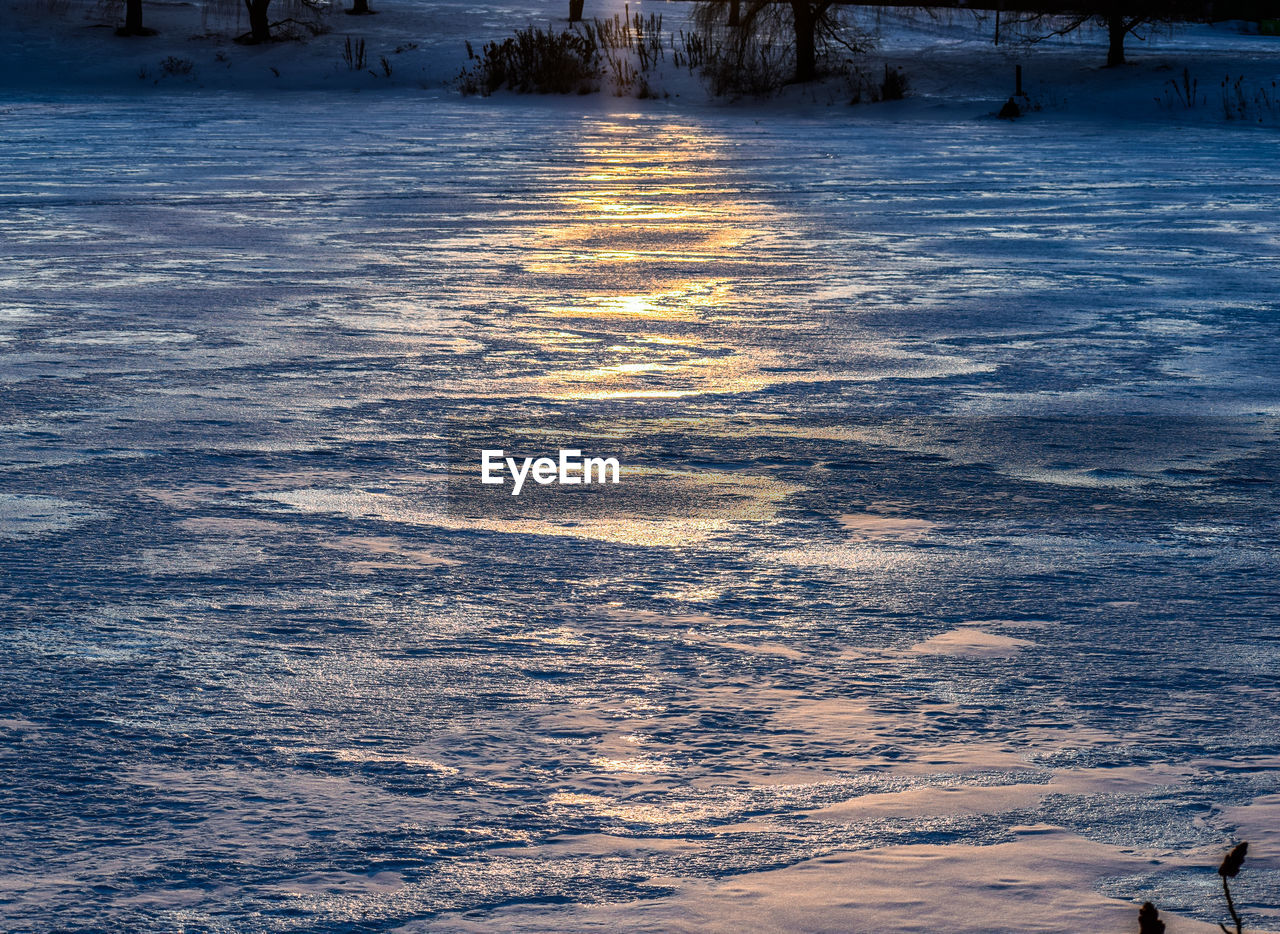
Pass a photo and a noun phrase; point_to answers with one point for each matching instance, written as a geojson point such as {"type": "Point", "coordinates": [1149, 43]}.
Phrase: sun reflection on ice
{"type": "Point", "coordinates": [653, 221]}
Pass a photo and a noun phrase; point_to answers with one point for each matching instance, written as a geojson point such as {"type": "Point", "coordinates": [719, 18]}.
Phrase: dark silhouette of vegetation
{"type": "Point", "coordinates": [1229, 869]}
{"type": "Point", "coordinates": [1184, 93]}
{"type": "Point", "coordinates": [534, 60]}
{"type": "Point", "coordinates": [353, 54]}
{"type": "Point", "coordinates": [1045, 19]}
{"type": "Point", "coordinates": [631, 46]}
{"type": "Point", "coordinates": [1040, 19]}
{"type": "Point", "coordinates": [1120, 18]}
{"type": "Point", "coordinates": [1149, 919]}
{"type": "Point", "coordinates": [622, 51]}
{"type": "Point", "coordinates": [1242, 103]}
{"type": "Point", "coordinates": [808, 30]}
{"type": "Point", "coordinates": [735, 60]}
{"type": "Point", "coordinates": [895, 85]}
{"type": "Point", "coordinates": [1010, 110]}
{"type": "Point", "coordinates": [814, 28]}
{"type": "Point", "coordinates": [173, 66]}
{"type": "Point", "coordinates": [753, 46]}
{"type": "Point", "coordinates": [261, 26]}
{"type": "Point", "coordinates": [259, 23]}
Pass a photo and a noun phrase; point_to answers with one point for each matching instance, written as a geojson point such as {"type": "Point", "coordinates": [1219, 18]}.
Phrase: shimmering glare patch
{"type": "Point", "coordinates": [680, 302]}
{"type": "Point", "coordinates": [125, 338]}
{"type": "Point", "coordinates": [19, 313]}
{"type": "Point", "coordinates": [679, 508]}
{"type": "Point", "coordinates": [199, 557]}
{"type": "Point", "coordinates": [24, 515]}
{"type": "Point", "coordinates": [872, 526]}
{"type": "Point", "coordinates": [695, 594]}
{"type": "Point", "coordinates": [634, 765]}
{"type": "Point", "coordinates": [972, 642]}
{"type": "Point", "coordinates": [379, 757]}
{"type": "Point", "coordinates": [389, 552]}
{"type": "Point", "coordinates": [692, 377]}
{"type": "Point", "coordinates": [865, 557]}
{"type": "Point", "coordinates": [667, 812]}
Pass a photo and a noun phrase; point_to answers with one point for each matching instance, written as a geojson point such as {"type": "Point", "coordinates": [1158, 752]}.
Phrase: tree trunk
{"type": "Point", "coordinates": [575, 10]}
{"type": "Point", "coordinates": [360, 8]}
{"type": "Point", "coordinates": [1117, 29]}
{"type": "Point", "coordinates": [735, 13]}
{"type": "Point", "coordinates": [133, 17]}
{"type": "Point", "coordinates": [259, 25]}
{"type": "Point", "coordinates": [806, 22]}
{"type": "Point", "coordinates": [133, 20]}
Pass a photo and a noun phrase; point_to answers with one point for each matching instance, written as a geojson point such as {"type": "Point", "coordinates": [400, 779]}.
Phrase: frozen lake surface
{"type": "Point", "coordinates": [968, 535]}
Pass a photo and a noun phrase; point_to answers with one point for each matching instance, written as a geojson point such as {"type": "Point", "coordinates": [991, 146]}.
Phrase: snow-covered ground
{"type": "Point", "coordinates": [953, 66]}
{"type": "Point", "coordinates": [942, 596]}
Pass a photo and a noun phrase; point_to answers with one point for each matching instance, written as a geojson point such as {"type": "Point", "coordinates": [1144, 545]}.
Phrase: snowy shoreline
{"type": "Point", "coordinates": [954, 70]}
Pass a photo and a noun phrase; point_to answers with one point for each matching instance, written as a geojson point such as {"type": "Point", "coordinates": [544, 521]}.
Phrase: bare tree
{"type": "Point", "coordinates": [806, 17]}
{"type": "Point", "coordinates": [808, 26]}
{"type": "Point", "coordinates": [1121, 18]}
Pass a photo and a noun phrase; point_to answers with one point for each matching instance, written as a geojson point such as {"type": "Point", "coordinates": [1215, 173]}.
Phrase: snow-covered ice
{"type": "Point", "coordinates": [951, 605]}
